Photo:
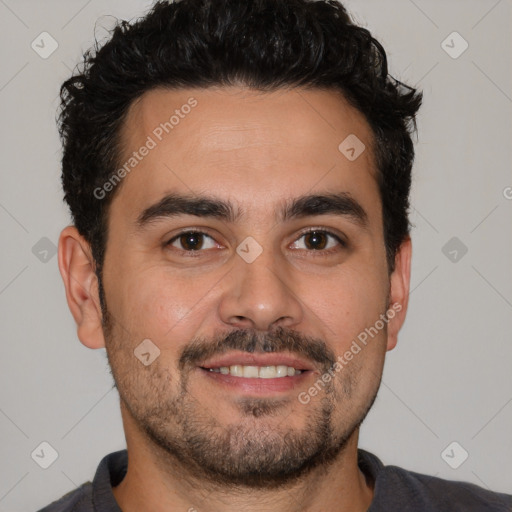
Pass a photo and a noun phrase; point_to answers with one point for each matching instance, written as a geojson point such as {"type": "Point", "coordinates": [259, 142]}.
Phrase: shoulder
{"type": "Point", "coordinates": [396, 487]}
{"type": "Point", "coordinates": [79, 500]}
{"type": "Point", "coordinates": [446, 495]}
{"type": "Point", "coordinates": [98, 493]}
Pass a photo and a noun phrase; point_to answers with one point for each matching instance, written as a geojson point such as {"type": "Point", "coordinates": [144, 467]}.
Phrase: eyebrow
{"type": "Point", "coordinates": [342, 204]}
{"type": "Point", "coordinates": [172, 205]}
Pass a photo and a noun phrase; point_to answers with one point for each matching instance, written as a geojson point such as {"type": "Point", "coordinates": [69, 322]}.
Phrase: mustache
{"type": "Point", "coordinates": [248, 340]}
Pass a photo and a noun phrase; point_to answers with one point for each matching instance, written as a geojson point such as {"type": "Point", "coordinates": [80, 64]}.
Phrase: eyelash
{"type": "Point", "coordinates": [317, 252]}
{"type": "Point", "coordinates": [323, 252]}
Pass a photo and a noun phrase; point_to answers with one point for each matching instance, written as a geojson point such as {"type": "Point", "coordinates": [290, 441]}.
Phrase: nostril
{"type": "Point", "coordinates": [241, 321]}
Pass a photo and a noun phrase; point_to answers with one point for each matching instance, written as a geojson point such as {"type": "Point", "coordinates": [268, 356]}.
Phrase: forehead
{"type": "Point", "coordinates": [258, 147]}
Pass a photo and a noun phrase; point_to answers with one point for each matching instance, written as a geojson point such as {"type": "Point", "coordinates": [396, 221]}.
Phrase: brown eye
{"type": "Point", "coordinates": [317, 240]}
{"type": "Point", "coordinates": [192, 241]}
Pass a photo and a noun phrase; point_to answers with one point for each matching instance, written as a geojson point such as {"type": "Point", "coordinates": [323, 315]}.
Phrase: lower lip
{"type": "Point", "coordinates": [257, 386]}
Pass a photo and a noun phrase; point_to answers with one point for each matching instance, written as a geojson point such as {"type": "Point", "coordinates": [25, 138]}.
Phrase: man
{"type": "Point", "coordinates": [238, 174]}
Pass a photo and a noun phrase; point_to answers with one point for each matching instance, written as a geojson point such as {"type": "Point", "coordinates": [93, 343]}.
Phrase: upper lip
{"type": "Point", "coordinates": [257, 359]}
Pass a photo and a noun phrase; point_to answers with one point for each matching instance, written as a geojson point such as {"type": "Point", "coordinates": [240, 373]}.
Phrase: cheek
{"type": "Point", "coordinates": [161, 306]}
{"type": "Point", "coordinates": [345, 305]}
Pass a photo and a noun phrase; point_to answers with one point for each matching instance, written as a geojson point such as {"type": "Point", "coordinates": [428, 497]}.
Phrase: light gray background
{"type": "Point", "coordinates": [450, 377]}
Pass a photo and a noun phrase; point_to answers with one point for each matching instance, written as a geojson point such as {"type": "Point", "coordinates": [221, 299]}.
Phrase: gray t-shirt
{"type": "Point", "coordinates": [395, 489]}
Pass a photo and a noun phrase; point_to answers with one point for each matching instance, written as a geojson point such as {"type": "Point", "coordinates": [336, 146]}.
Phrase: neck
{"type": "Point", "coordinates": [150, 485]}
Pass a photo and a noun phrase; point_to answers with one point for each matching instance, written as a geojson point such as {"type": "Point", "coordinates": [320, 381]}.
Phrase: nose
{"type": "Point", "coordinates": [259, 295]}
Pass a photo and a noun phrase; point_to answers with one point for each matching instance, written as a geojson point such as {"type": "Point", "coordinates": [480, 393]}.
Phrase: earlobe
{"type": "Point", "coordinates": [76, 267]}
{"type": "Point", "coordinates": [399, 292]}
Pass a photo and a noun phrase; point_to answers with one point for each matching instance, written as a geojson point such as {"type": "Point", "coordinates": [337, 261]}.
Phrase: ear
{"type": "Point", "coordinates": [76, 267]}
{"type": "Point", "coordinates": [400, 280]}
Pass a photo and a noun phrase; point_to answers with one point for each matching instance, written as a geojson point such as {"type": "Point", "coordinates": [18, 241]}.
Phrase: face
{"type": "Point", "coordinates": [250, 251]}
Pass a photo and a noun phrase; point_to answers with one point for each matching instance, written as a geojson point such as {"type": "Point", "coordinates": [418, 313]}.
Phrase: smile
{"type": "Point", "coordinates": [257, 372]}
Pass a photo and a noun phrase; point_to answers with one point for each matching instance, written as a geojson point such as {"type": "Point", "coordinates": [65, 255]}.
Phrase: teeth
{"type": "Point", "coordinates": [250, 371]}
{"type": "Point", "coordinates": [254, 372]}
{"type": "Point", "coordinates": [281, 371]}
{"type": "Point", "coordinates": [236, 370]}
{"type": "Point", "coordinates": [267, 372]}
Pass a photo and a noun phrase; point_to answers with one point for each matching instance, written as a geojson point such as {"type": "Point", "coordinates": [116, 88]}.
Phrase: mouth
{"type": "Point", "coordinates": [257, 374]}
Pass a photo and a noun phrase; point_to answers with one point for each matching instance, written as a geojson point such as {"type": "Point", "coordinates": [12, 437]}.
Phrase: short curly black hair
{"type": "Point", "coordinates": [262, 44]}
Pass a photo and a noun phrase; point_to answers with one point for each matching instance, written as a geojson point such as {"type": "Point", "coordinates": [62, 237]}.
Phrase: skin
{"type": "Point", "coordinates": [258, 151]}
